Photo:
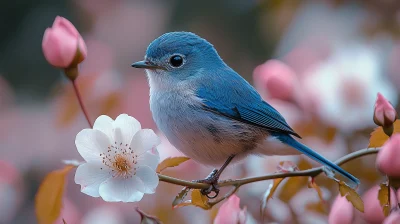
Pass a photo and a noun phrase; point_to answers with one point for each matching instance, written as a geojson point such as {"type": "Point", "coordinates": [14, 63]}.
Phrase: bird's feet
{"type": "Point", "coordinates": [212, 180]}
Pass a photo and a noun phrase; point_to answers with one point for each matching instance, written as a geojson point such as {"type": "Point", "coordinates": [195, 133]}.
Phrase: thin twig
{"type": "Point", "coordinates": [239, 182]}
{"type": "Point", "coordinates": [78, 95]}
{"type": "Point", "coordinates": [227, 195]}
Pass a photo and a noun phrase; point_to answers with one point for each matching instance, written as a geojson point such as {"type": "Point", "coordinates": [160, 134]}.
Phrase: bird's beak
{"type": "Point", "coordinates": [146, 65]}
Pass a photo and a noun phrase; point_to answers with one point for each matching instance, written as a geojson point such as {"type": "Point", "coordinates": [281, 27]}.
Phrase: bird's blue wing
{"type": "Point", "coordinates": [231, 96]}
{"type": "Point", "coordinates": [228, 94]}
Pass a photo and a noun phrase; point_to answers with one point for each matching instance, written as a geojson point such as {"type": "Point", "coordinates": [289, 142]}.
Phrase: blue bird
{"type": "Point", "coordinates": [209, 112]}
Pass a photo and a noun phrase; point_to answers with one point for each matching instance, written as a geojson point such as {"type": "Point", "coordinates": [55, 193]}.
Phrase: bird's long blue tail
{"type": "Point", "coordinates": [289, 140]}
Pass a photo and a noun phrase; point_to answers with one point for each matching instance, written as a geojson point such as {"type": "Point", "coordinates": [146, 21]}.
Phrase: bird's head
{"type": "Point", "coordinates": [177, 56]}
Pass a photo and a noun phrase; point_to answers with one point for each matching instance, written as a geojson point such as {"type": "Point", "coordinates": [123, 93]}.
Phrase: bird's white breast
{"type": "Point", "coordinates": [202, 135]}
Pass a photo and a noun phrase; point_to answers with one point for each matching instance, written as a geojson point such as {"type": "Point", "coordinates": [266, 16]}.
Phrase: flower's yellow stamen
{"type": "Point", "coordinates": [121, 164]}
{"type": "Point", "coordinates": [121, 160]}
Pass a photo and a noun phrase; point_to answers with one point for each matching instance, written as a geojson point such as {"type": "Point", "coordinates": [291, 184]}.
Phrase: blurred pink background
{"type": "Point", "coordinates": [328, 58]}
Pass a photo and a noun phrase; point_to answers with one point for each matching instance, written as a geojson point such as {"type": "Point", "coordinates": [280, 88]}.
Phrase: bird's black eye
{"type": "Point", "coordinates": [176, 61]}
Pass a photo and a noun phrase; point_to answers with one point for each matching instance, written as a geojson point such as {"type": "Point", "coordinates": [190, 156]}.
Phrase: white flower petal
{"type": "Point", "coordinates": [149, 178]}
{"type": "Point", "coordinates": [144, 140]}
{"type": "Point", "coordinates": [90, 176]}
{"type": "Point", "coordinates": [125, 127]}
{"type": "Point", "coordinates": [104, 124]}
{"type": "Point", "coordinates": [149, 159]}
{"type": "Point", "coordinates": [90, 143]}
{"type": "Point", "coordinates": [136, 196]}
{"type": "Point", "coordinates": [120, 189]}
{"type": "Point", "coordinates": [73, 162]}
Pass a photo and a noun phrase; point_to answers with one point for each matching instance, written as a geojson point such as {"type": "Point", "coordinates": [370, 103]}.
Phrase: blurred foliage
{"type": "Point", "coordinates": [48, 201]}
{"type": "Point", "coordinates": [21, 60]}
{"type": "Point", "coordinates": [378, 136]}
{"type": "Point", "coordinates": [351, 195]}
{"type": "Point", "coordinates": [197, 199]}
{"type": "Point", "coordinates": [384, 198]}
{"type": "Point", "coordinates": [246, 32]}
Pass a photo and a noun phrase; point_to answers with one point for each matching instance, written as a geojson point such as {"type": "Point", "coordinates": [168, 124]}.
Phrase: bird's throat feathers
{"type": "Point", "coordinates": [162, 81]}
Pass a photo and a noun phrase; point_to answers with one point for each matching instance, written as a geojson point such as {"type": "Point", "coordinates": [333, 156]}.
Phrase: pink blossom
{"type": "Point", "coordinates": [62, 44]}
{"type": "Point", "coordinates": [69, 212]}
{"type": "Point", "coordinates": [342, 211]}
{"type": "Point", "coordinates": [11, 191]}
{"type": "Point", "coordinates": [276, 78]}
{"type": "Point", "coordinates": [388, 158]}
{"type": "Point", "coordinates": [372, 209]}
{"type": "Point", "coordinates": [384, 113]}
{"type": "Point", "coordinates": [230, 212]}
{"type": "Point", "coordinates": [393, 218]}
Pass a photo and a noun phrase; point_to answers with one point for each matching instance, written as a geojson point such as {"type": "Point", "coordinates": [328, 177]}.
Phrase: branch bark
{"type": "Point", "coordinates": [239, 182]}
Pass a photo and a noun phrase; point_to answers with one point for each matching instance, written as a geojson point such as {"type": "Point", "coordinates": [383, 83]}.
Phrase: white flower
{"type": "Point", "coordinates": [121, 159]}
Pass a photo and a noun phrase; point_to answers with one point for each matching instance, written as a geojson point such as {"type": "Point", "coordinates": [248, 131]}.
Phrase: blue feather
{"type": "Point", "coordinates": [241, 104]}
{"type": "Point", "coordinates": [246, 105]}
{"type": "Point", "coordinates": [286, 139]}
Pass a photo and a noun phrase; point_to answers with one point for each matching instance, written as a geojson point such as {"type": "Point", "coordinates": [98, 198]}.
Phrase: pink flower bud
{"type": "Point", "coordinates": [373, 212]}
{"type": "Point", "coordinates": [384, 113]}
{"type": "Point", "coordinates": [276, 78]}
{"type": "Point", "coordinates": [342, 211]}
{"type": "Point", "coordinates": [393, 218]}
{"type": "Point", "coordinates": [62, 44]}
{"type": "Point", "coordinates": [230, 212]}
{"type": "Point", "coordinates": [388, 161]}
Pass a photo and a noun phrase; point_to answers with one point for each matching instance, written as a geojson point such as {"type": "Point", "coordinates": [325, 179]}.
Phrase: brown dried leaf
{"type": "Point", "coordinates": [384, 198]}
{"type": "Point", "coordinates": [312, 184]}
{"type": "Point", "coordinates": [48, 200]}
{"type": "Point", "coordinates": [273, 188]}
{"type": "Point", "coordinates": [171, 162]}
{"type": "Point", "coordinates": [378, 137]}
{"type": "Point", "coordinates": [182, 204]}
{"type": "Point", "coordinates": [198, 199]}
{"type": "Point", "coordinates": [269, 193]}
{"type": "Point", "coordinates": [294, 184]}
{"type": "Point", "coordinates": [109, 102]}
{"type": "Point", "coordinates": [291, 187]}
{"type": "Point", "coordinates": [304, 164]}
{"type": "Point", "coordinates": [316, 207]}
{"type": "Point", "coordinates": [180, 197]}
{"type": "Point", "coordinates": [351, 195]}
{"type": "Point", "coordinates": [147, 219]}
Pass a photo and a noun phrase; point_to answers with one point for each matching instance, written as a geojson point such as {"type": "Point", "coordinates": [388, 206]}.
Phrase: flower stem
{"type": "Point", "coordinates": [78, 95]}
